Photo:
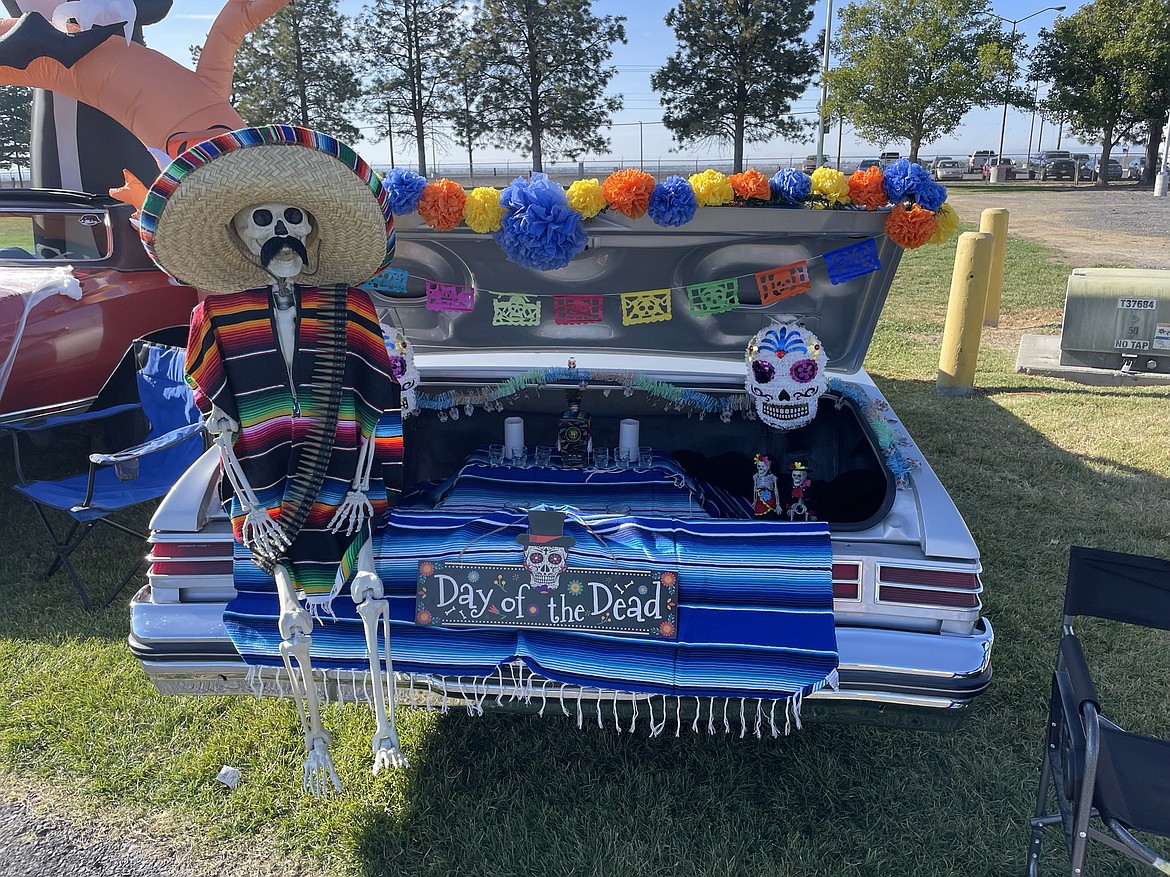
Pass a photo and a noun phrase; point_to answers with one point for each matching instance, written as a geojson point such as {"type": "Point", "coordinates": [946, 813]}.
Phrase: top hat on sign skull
{"type": "Point", "coordinates": [545, 554]}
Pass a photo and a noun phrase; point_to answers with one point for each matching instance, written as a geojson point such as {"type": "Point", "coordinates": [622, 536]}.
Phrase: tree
{"type": "Point", "coordinates": [15, 114]}
{"type": "Point", "coordinates": [544, 75]}
{"type": "Point", "coordinates": [739, 66]}
{"type": "Point", "coordinates": [464, 109]}
{"type": "Point", "coordinates": [296, 68]}
{"type": "Point", "coordinates": [910, 70]}
{"type": "Point", "coordinates": [406, 47]}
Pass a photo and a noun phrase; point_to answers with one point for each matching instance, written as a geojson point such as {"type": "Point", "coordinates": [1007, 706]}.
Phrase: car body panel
{"type": "Point", "coordinates": [1056, 164]}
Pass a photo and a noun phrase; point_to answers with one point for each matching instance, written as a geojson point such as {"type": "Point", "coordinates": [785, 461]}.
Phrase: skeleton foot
{"type": "Point", "coordinates": [319, 773]}
{"type": "Point", "coordinates": [387, 752]}
{"type": "Point", "coordinates": [375, 614]}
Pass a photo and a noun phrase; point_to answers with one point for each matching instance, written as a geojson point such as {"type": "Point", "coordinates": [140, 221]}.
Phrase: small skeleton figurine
{"type": "Point", "coordinates": [764, 483]}
{"type": "Point", "coordinates": [800, 483]}
{"type": "Point", "coordinates": [292, 379]}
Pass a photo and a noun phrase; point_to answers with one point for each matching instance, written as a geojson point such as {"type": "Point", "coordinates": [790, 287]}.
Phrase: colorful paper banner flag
{"type": "Point", "coordinates": [784, 282]}
{"type": "Point", "coordinates": [391, 281]}
{"type": "Point", "coordinates": [513, 309]}
{"type": "Point", "coordinates": [855, 260]}
{"type": "Point", "coordinates": [450, 297]}
{"type": "Point", "coordinates": [573, 310]}
{"type": "Point", "coordinates": [652, 306]}
{"type": "Point", "coordinates": [716, 297]}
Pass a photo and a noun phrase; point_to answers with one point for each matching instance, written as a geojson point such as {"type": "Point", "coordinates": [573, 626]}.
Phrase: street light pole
{"type": "Point", "coordinates": [1011, 73]}
{"type": "Point", "coordinates": [824, 87]}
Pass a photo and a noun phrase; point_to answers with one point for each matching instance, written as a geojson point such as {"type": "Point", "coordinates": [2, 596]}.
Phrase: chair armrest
{"type": "Point", "coordinates": [1072, 661]}
{"type": "Point", "coordinates": [138, 451]}
{"type": "Point", "coordinates": [56, 420]}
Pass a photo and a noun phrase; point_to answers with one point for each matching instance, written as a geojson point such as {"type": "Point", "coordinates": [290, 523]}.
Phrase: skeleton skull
{"type": "Point", "coordinates": [545, 565]}
{"type": "Point", "coordinates": [278, 234]}
{"type": "Point", "coordinates": [785, 375]}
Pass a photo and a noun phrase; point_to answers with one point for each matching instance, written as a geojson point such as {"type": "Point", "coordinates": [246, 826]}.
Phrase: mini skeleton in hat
{"type": "Point", "coordinates": [292, 378]}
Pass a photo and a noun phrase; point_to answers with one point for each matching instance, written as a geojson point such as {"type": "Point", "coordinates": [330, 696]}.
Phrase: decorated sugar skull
{"type": "Point", "coordinates": [278, 234]}
{"type": "Point", "coordinates": [785, 375]}
{"type": "Point", "coordinates": [404, 371]}
{"type": "Point", "coordinates": [545, 549]}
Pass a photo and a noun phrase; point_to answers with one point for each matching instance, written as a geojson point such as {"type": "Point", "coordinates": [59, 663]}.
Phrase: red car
{"type": "Point", "coordinates": [76, 287]}
{"type": "Point", "coordinates": [1009, 169]}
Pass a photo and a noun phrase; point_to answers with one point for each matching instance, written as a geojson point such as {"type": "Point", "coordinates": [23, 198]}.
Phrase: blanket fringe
{"type": "Point", "coordinates": [514, 683]}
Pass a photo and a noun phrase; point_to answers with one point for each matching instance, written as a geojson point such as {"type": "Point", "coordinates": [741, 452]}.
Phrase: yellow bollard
{"type": "Point", "coordinates": [994, 220]}
{"type": "Point", "coordinates": [965, 309]}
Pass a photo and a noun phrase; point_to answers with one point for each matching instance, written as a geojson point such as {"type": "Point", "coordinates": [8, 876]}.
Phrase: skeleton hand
{"type": "Point", "coordinates": [354, 511]}
{"type": "Point", "coordinates": [263, 536]}
{"type": "Point", "coordinates": [218, 423]}
{"type": "Point", "coordinates": [319, 772]}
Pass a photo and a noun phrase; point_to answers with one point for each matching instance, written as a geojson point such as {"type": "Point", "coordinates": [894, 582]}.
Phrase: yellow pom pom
{"type": "Point", "coordinates": [947, 223]}
{"type": "Point", "coordinates": [712, 188]}
{"type": "Point", "coordinates": [483, 212]}
{"type": "Point", "coordinates": [586, 197]}
{"type": "Point", "coordinates": [831, 184]}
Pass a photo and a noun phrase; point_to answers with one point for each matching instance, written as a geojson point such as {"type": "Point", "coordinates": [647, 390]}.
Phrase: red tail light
{"type": "Point", "coordinates": [951, 589]}
{"type": "Point", "coordinates": [191, 559]}
{"type": "Point", "coordinates": [846, 581]}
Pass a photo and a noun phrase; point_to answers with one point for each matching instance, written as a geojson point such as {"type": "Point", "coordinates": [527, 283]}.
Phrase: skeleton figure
{"type": "Point", "coordinates": [785, 375]}
{"type": "Point", "coordinates": [404, 371]}
{"type": "Point", "coordinates": [545, 552]}
{"type": "Point", "coordinates": [279, 235]}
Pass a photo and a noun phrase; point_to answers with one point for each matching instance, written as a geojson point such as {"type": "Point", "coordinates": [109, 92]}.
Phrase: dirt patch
{"type": "Point", "coordinates": [1122, 226]}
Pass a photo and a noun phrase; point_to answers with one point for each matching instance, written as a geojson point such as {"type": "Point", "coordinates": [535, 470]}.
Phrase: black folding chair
{"type": "Point", "coordinates": [116, 482]}
{"type": "Point", "coordinates": [1108, 783]}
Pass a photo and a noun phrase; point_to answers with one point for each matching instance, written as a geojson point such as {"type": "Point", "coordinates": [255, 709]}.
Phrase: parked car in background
{"type": "Point", "coordinates": [934, 162]}
{"type": "Point", "coordinates": [76, 288]}
{"type": "Point", "coordinates": [887, 157]}
{"type": "Point", "coordinates": [948, 169]}
{"type": "Point", "coordinates": [811, 163]}
{"type": "Point", "coordinates": [977, 159]}
{"type": "Point", "coordinates": [1009, 169]}
{"type": "Point", "coordinates": [1056, 164]}
{"type": "Point", "coordinates": [1112, 170]}
{"type": "Point", "coordinates": [867, 163]}
{"type": "Point", "coordinates": [1085, 164]}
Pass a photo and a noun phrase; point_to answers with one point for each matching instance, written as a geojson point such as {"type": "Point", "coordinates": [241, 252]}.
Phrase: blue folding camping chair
{"type": "Point", "coordinates": [116, 482]}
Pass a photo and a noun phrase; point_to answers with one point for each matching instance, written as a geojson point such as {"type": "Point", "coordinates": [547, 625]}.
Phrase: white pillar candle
{"type": "Point", "coordinates": [513, 433]}
{"type": "Point", "coordinates": [628, 437]}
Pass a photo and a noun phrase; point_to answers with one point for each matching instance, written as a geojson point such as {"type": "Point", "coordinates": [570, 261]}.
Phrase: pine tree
{"type": "Point", "coordinates": [739, 66]}
{"type": "Point", "coordinates": [544, 75]}
{"type": "Point", "coordinates": [406, 46]}
{"type": "Point", "coordinates": [15, 113]}
{"type": "Point", "coordinates": [296, 68]}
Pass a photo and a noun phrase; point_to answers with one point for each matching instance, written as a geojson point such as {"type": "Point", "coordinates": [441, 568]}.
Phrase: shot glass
{"type": "Point", "coordinates": [495, 455]}
{"type": "Point", "coordinates": [621, 458]}
{"type": "Point", "coordinates": [645, 457]}
{"type": "Point", "coordinates": [601, 458]}
{"type": "Point", "coordinates": [518, 457]}
{"type": "Point", "coordinates": [543, 456]}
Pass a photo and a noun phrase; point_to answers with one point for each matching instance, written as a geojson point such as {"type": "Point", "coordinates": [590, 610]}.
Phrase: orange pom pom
{"type": "Point", "coordinates": [868, 188]}
{"type": "Point", "coordinates": [751, 184]}
{"type": "Point", "coordinates": [441, 204]}
{"type": "Point", "coordinates": [628, 191]}
{"type": "Point", "coordinates": [910, 228]}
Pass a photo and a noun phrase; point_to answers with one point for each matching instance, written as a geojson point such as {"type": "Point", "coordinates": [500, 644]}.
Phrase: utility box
{"type": "Point", "coordinates": [999, 173]}
{"type": "Point", "coordinates": [1117, 318]}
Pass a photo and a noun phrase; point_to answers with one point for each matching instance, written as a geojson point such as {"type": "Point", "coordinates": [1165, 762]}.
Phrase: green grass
{"type": "Point", "coordinates": [16, 231]}
{"type": "Point", "coordinates": [1034, 465]}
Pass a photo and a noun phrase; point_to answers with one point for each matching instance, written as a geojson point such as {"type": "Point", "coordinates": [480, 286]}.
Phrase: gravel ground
{"type": "Point", "coordinates": [1121, 226]}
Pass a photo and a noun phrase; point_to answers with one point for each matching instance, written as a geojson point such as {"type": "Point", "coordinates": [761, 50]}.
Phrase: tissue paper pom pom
{"type": "Point", "coordinates": [831, 184]}
{"type": "Point", "coordinates": [896, 177]}
{"type": "Point", "coordinates": [539, 230]}
{"type": "Point", "coordinates": [751, 184]}
{"type": "Point", "coordinates": [628, 191]}
{"type": "Point", "coordinates": [867, 188]}
{"type": "Point", "coordinates": [930, 194]}
{"type": "Point", "coordinates": [483, 212]}
{"type": "Point", "coordinates": [441, 204]}
{"type": "Point", "coordinates": [712, 188]}
{"type": "Point", "coordinates": [910, 228]}
{"type": "Point", "coordinates": [586, 197]}
{"type": "Point", "coordinates": [405, 188]}
{"type": "Point", "coordinates": [946, 222]}
{"type": "Point", "coordinates": [673, 202]}
{"type": "Point", "coordinates": [791, 184]}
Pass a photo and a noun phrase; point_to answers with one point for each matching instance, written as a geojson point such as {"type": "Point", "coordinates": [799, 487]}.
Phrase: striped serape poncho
{"type": "Point", "coordinates": [234, 362]}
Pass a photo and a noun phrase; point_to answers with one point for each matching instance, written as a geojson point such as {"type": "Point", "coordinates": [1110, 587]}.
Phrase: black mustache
{"type": "Point", "coordinates": [275, 246]}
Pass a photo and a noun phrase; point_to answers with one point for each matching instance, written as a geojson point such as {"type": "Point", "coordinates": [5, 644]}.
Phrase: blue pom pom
{"type": "Point", "coordinates": [930, 195]}
{"type": "Point", "coordinates": [540, 230]}
{"type": "Point", "coordinates": [791, 184]}
{"type": "Point", "coordinates": [672, 202]}
{"type": "Point", "coordinates": [896, 178]}
{"type": "Point", "coordinates": [404, 188]}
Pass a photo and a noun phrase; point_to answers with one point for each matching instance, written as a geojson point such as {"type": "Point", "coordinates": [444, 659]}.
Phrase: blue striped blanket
{"type": "Point", "coordinates": [755, 612]}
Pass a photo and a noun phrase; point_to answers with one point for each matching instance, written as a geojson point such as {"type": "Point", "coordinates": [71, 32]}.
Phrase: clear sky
{"type": "Point", "coordinates": [650, 41]}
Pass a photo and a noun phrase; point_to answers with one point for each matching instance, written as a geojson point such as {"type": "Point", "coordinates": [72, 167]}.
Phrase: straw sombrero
{"type": "Point", "coordinates": [186, 220]}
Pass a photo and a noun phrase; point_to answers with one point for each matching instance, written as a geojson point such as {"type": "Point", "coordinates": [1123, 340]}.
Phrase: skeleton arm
{"type": "Point", "coordinates": [356, 509]}
{"type": "Point", "coordinates": [261, 534]}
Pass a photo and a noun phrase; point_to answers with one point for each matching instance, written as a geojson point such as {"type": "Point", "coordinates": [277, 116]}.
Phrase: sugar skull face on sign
{"type": "Point", "coordinates": [785, 375]}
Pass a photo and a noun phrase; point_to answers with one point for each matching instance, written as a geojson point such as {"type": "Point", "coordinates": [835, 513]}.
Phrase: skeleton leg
{"type": "Point", "coordinates": [296, 625]}
{"type": "Point", "coordinates": [368, 596]}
